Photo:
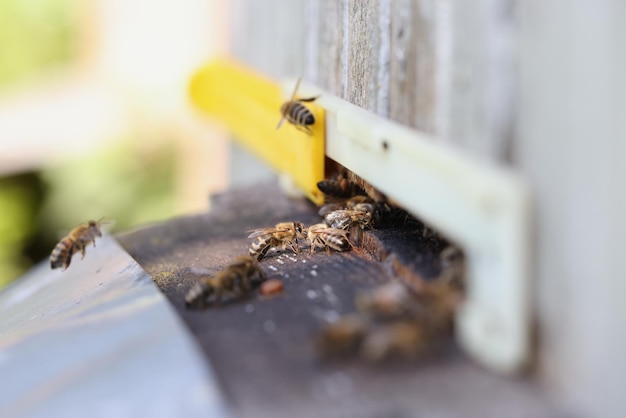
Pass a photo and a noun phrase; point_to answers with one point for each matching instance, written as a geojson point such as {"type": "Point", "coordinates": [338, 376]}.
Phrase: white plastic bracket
{"type": "Point", "coordinates": [486, 209]}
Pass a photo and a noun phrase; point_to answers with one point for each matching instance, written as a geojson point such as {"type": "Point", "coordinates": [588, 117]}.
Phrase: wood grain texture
{"type": "Point", "coordinates": [482, 88]}
{"type": "Point", "coordinates": [412, 82]}
{"type": "Point", "coordinates": [270, 36]}
{"type": "Point", "coordinates": [327, 45]}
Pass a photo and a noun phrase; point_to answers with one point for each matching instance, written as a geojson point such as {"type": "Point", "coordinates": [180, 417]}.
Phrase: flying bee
{"type": "Point", "coordinates": [77, 240]}
{"type": "Point", "coordinates": [283, 235]}
{"type": "Point", "coordinates": [296, 113]}
{"type": "Point", "coordinates": [320, 235]}
{"type": "Point", "coordinates": [237, 279]}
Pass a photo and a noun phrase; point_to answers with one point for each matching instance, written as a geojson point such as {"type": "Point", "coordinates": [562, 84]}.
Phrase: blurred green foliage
{"type": "Point", "coordinates": [20, 198]}
{"type": "Point", "coordinates": [35, 34]}
{"type": "Point", "coordinates": [126, 184]}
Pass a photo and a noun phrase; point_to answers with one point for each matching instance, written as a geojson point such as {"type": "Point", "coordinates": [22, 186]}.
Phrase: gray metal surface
{"type": "Point", "coordinates": [98, 340]}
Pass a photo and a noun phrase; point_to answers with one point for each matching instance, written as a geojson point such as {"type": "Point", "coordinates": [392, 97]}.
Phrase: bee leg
{"type": "Point", "coordinates": [309, 99]}
{"type": "Point", "coordinates": [247, 286]}
{"type": "Point", "coordinates": [358, 233]}
{"type": "Point", "coordinates": [293, 247]}
{"type": "Point", "coordinates": [218, 297]}
{"type": "Point", "coordinates": [79, 247]}
{"type": "Point", "coordinates": [304, 128]}
{"type": "Point", "coordinates": [264, 252]}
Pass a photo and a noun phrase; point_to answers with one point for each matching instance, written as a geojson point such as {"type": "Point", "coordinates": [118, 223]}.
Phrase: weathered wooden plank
{"type": "Point", "coordinates": [412, 82]}
{"type": "Point", "coordinates": [270, 36]}
{"type": "Point", "coordinates": [481, 91]}
{"type": "Point", "coordinates": [326, 21]}
{"type": "Point", "coordinates": [368, 55]}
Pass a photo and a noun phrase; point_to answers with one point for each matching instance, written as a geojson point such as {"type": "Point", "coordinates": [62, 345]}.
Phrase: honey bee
{"type": "Point", "coordinates": [283, 235]}
{"type": "Point", "coordinates": [403, 339]}
{"type": "Point", "coordinates": [76, 240]}
{"type": "Point", "coordinates": [453, 267]}
{"type": "Point", "coordinates": [320, 235]}
{"type": "Point", "coordinates": [342, 337]}
{"type": "Point", "coordinates": [359, 202]}
{"type": "Point", "coordinates": [369, 190]}
{"type": "Point", "coordinates": [348, 218]}
{"type": "Point", "coordinates": [296, 113]}
{"type": "Point", "coordinates": [339, 187]}
{"type": "Point", "coordinates": [393, 321]}
{"type": "Point", "coordinates": [389, 301]}
{"type": "Point", "coordinates": [237, 279]}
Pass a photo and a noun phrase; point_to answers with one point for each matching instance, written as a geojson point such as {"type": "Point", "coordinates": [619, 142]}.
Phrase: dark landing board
{"type": "Point", "coordinates": [262, 348]}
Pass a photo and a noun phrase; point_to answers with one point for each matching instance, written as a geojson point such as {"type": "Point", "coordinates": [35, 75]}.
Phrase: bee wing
{"type": "Point", "coordinates": [262, 231]}
{"type": "Point", "coordinates": [337, 214]}
{"type": "Point", "coordinates": [328, 208]}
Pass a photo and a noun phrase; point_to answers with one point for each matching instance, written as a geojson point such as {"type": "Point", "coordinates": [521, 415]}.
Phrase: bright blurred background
{"type": "Point", "coordinates": [94, 118]}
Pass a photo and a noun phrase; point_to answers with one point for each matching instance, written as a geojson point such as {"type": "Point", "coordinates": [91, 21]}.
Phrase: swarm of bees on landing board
{"type": "Point", "coordinates": [238, 280]}
{"type": "Point", "coordinates": [76, 241]}
{"type": "Point", "coordinates": [396, 321]}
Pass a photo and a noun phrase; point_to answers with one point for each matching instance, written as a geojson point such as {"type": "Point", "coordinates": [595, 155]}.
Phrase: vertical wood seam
{"type": "Point", "coordinates": [384, 58]}
{"type": "Point", "coordinates": [345, 48]}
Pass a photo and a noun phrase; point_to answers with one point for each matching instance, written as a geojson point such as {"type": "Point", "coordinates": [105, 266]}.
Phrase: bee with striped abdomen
{"type": "Point", "coordinates": [296, 113]}
{"type": "Point", "coordinates": [283, 235]}
{"type": "Point", "coordinates": [237, 279]}
{"type": "Point", "coordinates": [77, 240]}
{"type": "Point", "coordinates": [320, 235]}
{"type": "Point", "coordinates": [348, 218]}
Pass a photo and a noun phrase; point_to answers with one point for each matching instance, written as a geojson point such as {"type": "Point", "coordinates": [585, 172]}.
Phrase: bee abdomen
{"type": "Point", "coordinates": [260, 247]}
{"type": "Point", "coordinates": [337, 243]}
{"type": "Point", "coordinates": [62, 254]}
{"type": "Point", "coordinates": [339, 222]}
{"type": "Point", "coordinates": [299, 114]}
{"type": "Point", "coordinates": [196, 295]}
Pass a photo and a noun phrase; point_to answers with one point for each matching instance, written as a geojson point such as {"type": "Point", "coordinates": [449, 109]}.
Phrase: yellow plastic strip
{"type": "Point", "coordinates": [249, 105]}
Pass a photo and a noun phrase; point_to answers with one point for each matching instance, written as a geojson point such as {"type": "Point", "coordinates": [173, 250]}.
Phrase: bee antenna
{"type": "Point", "coordinates": [280, 123]}
{"type": "Point", "coordinates": [295, 90]}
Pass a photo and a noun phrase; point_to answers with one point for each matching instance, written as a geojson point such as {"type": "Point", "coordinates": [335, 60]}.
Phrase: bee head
{"type": "Point", "coordinates": [95, 226]}
{"type": "Point", "coordinates": [300, 229]}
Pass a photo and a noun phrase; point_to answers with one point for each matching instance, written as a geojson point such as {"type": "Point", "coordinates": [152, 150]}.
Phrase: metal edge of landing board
{"type": "Point", "coordinates": [99, 340]}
